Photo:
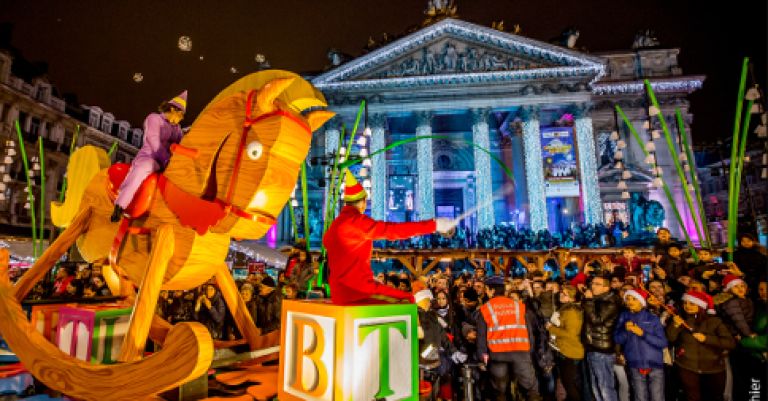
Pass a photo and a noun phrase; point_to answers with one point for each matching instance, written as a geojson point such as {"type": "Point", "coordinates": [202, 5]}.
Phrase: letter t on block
{"type": "Point", "coordinates": [383, 328]}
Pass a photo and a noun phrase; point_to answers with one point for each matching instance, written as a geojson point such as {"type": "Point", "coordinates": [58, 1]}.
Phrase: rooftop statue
{"type": "Point", "coordinates": [645, 39]}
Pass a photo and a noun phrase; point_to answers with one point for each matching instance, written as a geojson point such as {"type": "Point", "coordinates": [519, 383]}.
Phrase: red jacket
{"type": "Point", "coordinates": [348, 243]}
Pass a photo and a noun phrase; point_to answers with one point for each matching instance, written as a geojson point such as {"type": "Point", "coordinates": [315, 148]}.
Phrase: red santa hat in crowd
{"type": "Point", "coordinates": [421, 292]}
{"type": "Point", "coordinates": [353, 191]}
{"type": "Point", "coordinates": [639, 294]}
{"type": "Point", "coordinates": [731, 281]}
{"type": "Point", "coordinates": [702, 299]}
{"type": "Point", "coordinates": [180, 101]}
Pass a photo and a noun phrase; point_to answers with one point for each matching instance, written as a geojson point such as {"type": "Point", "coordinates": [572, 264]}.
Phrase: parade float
{"type": "Point", "coordinates": [229, 177]}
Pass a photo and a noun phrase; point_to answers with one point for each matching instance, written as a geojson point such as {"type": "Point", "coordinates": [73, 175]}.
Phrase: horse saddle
{"type": "Point", "coordinates": [142, 200]}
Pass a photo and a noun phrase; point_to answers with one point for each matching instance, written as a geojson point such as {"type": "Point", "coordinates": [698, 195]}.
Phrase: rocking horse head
{"type": "Point", "coordinates": [249, 143]}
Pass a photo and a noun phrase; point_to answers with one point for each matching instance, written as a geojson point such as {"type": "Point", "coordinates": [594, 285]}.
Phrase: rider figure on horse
{"type": "Point", "coordinates": [161, 130]}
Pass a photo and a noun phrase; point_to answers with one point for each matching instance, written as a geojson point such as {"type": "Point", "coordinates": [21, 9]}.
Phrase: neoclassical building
{"type": "Point", "coordinates": [545, 111]}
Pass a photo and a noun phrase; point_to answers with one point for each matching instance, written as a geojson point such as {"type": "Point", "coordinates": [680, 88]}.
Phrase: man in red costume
{"type": "Point", "coordinates": [349, 241]}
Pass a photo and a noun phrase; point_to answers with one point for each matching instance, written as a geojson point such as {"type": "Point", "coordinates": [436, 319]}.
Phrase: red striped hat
{"type": "Point", "coordinates": [731, 281]}
{"type": "Point", "coordinates": [353, 191]}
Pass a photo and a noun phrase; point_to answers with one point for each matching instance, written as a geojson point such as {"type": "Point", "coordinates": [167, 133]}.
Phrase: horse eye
{"type": "Point", "coordinates": [254, 150]}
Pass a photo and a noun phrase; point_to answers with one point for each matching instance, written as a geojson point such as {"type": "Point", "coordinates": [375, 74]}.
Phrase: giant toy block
{"type": "Point", "coordinates": [45, 319]}
{"type": "Point", "coordinates": [332, 352]}
{"type": "Point", "coordinates": [92, 333]}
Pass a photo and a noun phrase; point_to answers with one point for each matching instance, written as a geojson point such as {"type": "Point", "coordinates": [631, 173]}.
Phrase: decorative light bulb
{"type": "Point", "coordinates": [3, 187]}
{"type": "Point", "coordinates": [342, 151]}
{"type": "Point", "coordinates": [367, 131]}
{"type": "Point", "coordinates": [752, 94]}
{"type": "Point", "coordinates": [625, 195]}
{"type": "Point", "coordinates": [2, 196]}
{"type": "Point", "coordinates": [26, 206]}
{"type": "Point", "coordinates": [615, 135]}
{"type": "Point", "coordinates": [7, 160]}
{"type": "Point", "coordinates": [618, 155]}
{"type": "Point", "coordinates": [650, 146]}
{"type": "Point", "coordinates": [621, 185]}
{"type": "Point", "coordinates": [646, 124]}
{"type": "Point", "coordinates": [683, 157]}
{"type": "Point", "coordinates": [6, 177]}
{"type": "Point", "coordinates": [619, 165]}
{"type": "Point", "coordinates": [36, 167]}
{"type": "Point", "coordinates": [363, 172]}
{"type": "Point", "coordinates": [11, 152]}
{"type": "Point", "coordinates": [363, 152]}
{"type": "Point", "coordinates": [362, 141]}
{"type": "Point", "coordinates": [366, 183]}
{"type": "Point", "coordinates": [626, 174]}
{"type": "Point", "coordinates": [294, 203]}
{"type": "Point", "coordinates": [653, 111]}
{"type": "Point", "coordinates": [657, 182]}
{"type": "Point", "coordinates": [621, 144]}
{"type": "Point", "coordinates": [367, 162]}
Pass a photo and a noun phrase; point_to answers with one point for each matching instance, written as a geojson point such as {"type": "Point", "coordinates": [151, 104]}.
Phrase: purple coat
{"type": "Point", "coordinates": [159, 135]}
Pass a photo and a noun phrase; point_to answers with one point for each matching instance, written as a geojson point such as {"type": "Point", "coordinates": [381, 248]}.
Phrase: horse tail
{"type": "Point", "coordinates": [83, 165]}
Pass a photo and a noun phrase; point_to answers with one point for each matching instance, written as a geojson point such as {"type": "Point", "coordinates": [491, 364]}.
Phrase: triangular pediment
{"type": "Point", "coordinates": [454, 51]}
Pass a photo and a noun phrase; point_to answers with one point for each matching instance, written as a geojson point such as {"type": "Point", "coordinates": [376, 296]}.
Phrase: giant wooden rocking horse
{"type": "Point", "coordinates": [228, 178]}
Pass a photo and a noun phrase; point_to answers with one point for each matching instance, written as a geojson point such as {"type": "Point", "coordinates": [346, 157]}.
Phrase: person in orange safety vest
{"type": "Point", "coordinates": [504, 343]}
{"type": "Point", "coordinates": [349, 241]}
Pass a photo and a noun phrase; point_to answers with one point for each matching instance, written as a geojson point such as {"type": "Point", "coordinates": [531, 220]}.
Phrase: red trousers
{"type": "Point", "coordinates": [369, 293]}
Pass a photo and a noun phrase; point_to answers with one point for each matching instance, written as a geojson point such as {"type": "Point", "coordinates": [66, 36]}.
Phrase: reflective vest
{"type": "Point", "coordinates": [505, 319]}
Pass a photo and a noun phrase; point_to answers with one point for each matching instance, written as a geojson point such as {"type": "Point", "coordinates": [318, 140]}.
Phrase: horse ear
{"type": "Point", "coordinates": [317, 118]}
{"type": "Point", "coordinates": [267, 95]}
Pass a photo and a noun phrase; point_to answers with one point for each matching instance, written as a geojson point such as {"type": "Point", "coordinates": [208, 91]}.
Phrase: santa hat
{"type": "Point", "coordinates": [702, 299]}
{"type": "Point", "coordinates": [353, 191]}
{"type": "Point", "coordinates": [421, 292]}
{"type": "Point", "coordinates": [639, 294]}
{"type": "Point", "coordinates": [731, 281]}
{"type": "Point", "coordinates": [180, 101]}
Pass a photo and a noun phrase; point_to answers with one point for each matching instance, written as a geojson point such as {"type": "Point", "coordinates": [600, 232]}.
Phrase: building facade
{"type": "Point", "coordinates": [481, 98]}
{"type": "Point", "coordinates": [43, 116]}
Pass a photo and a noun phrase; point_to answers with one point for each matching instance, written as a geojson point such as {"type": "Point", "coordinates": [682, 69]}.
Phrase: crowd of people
{"type": "Point", "coordinates": [507, 236]}
{"type": "Point", "coordinates": [683, 331]}
{"type": "Point", "coordinates": [663, 327]}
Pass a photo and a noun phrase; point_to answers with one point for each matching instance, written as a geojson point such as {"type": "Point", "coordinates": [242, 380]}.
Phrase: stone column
{"type": "Point", "coordinates": [426, 192]}
{"type": "Point", "coordinates": [534, 168]}
{"type": "Point", "coordinates": [378, 172]}
{"type": "Point", "coordinates": [483, 186]}
{"type": "Point", "coordinates": [590, 189]}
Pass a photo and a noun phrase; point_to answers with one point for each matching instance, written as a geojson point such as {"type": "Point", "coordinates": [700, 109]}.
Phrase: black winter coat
{"type": "Point", "coordinates": [738, 315]}
{"type": "Point", "coordinates": [703, 358]}
{"type": "Point", "coordinates": [268, 312]}
{"type": "Point", "coordinates": [753, 264]}
{"type": "Point", "coordinates": [600, 316]}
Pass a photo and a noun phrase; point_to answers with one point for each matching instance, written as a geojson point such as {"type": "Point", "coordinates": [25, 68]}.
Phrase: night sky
{"type": "Point", "coordinates": [93, 48]}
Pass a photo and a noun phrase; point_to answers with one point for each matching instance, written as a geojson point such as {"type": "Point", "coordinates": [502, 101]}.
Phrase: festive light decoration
{"type": "Point", "coordinates": [619, 165]}
{"type": "Point", "coordinates": [363, 153]}
{"type": "Point", "coordinates": [138, 77]}
{"type": "Point", "coordinates": [483, 186]}
{"type": "Point", "coordinates": [646, 125]}
{"type": "Point", "coordinates": [294, 203]}
{"type": "Point", "coordinates": [378, 166]}
{"type": "Point", "coordinates": [621, 144]}
{"type": "Point", "coordinates": [424, 166]}
{"type": "Point", "coordinates": [363, 172]}
{"type": "Point", "coordinates": [752, 94]}
{"type": "Point", "coordinates": [626, 174]}
{"type": "Point", "coordinates": [625, 195]}
{"type": "Point", "coordinates": [655, 134]}
{"type": "Point", "coordinates": [650, 146]}
{"type": "Point", "coordinates": [670, 85]}
{"type": "Point", "coordinates": [618, 155]}
{"type": "Point", "coordinates": [653, 111]}
{"type": "Point", "coordinates": [185, 43]}
{"type": "Point", "coordinates": [533, 161]}
{"type": "Point", "coordinates": [362, 141]}
{"type": "Point", "coordinates": [622, 185]}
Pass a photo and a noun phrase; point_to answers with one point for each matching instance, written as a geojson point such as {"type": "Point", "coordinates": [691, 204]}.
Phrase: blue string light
{"type": "Point", "coordinates": [534, 174]}
{"type": "Point", "coordinates": [588, 166]}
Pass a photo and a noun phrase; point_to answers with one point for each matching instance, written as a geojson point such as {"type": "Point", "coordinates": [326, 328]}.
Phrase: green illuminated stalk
{"type": "Point", "coordinates": [734, 148]}
{"type": "Point", "coordinates": [734, 210]}
{"type": "Point", "coordinates": [332, 185]}
{"type": "Point", "coordinates": [42, 195]}
{"type": "Point", "coordinates": [112, 149]}
{"type": "Point", "coordinates": [305, 201]}
{"type": "Point", "coordinates": [694, 176]}
{"type": "Point", "coordinates": [71, 150]}
{"type": "Point", "coordinates": [675, 159]}
{"type": "Point", "coordinates": [667, 192]}
{"type": "Point", "coordinates": [30, 196]}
